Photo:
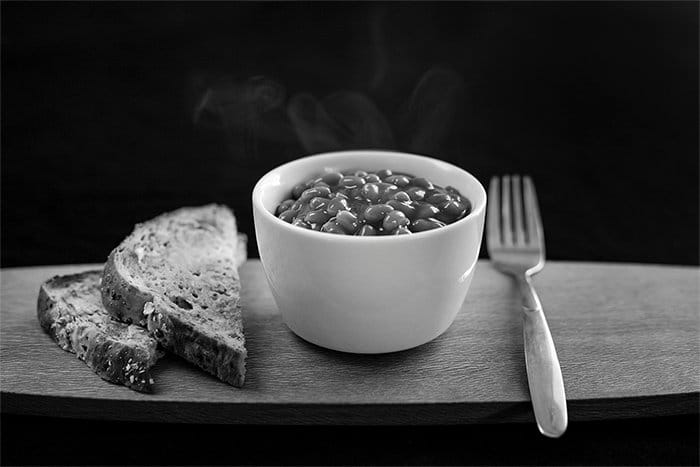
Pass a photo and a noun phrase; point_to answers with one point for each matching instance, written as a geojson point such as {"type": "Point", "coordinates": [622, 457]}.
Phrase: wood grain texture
{"type": "Point", "coordinates": [627, 338]}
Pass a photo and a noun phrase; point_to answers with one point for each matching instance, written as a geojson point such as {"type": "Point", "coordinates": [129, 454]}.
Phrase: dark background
{"type": "Point", "coordinates": [106, 119]}
{"type": "Point", "coordinates": [113, 113]}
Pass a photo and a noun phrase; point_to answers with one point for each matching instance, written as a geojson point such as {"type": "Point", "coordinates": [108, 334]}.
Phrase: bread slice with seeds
{"type": "Point", "coordinates": [177, 276]}
{"type": "Point", "coordinates": [70, 310]}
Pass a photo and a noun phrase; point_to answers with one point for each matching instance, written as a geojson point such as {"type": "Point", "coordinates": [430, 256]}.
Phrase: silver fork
{"type": "Point", "coordinates": [515, 241]}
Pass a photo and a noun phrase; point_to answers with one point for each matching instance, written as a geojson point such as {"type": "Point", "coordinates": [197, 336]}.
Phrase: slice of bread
{"type": "Point", "coordinates": [70, 310]}
{"type": "Point", "coordinates": [177, 276]}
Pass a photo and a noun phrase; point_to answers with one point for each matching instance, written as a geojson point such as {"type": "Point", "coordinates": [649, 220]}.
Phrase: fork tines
{"type": "Point", "coordinates": [513, 215]}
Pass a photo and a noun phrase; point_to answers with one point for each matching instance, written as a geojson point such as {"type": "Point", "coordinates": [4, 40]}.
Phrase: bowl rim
{"type": "Point", "coordinates": [471, 217]}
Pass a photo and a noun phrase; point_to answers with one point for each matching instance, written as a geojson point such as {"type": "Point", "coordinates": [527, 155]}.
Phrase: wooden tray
{"type": "Point", "coordinates": [627, 337]}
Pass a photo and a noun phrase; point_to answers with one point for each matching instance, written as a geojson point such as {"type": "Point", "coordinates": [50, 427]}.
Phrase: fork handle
{"type": "Point", "coordinates": [543, 371]}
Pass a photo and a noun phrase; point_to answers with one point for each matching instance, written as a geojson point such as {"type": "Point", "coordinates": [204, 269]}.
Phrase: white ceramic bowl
{"type": "Point", "coordinates": [367, 294]}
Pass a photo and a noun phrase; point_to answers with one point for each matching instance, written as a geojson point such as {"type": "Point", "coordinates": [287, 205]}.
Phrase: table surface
{"type": "Point", "coordinates": [626, 337]}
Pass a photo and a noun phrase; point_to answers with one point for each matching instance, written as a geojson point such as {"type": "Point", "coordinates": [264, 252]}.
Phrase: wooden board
{"type": "Point", "coordinates": [627, 337]}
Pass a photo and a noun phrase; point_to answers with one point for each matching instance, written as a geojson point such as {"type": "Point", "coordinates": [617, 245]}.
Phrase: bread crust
{"type": "Point", "coordinates": [70, 311]}
{"type": "Point", "coordinates": [185, 321]}
{"type": "Point", "coordinates": [120, 298]}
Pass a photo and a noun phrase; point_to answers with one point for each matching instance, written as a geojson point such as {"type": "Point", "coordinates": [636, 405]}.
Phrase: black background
{"type": "Point", "coordinates": [598, 102]}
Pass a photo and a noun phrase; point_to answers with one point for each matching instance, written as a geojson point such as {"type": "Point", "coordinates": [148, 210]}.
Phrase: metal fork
{"type": "Point", "coordinates": [515, 243]}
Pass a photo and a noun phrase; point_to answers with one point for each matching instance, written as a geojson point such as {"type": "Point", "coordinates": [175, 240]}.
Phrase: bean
{"type": "Point", "coordinates": [401, 230]}
{"type": "Point", "coordinates": [384, 173]}
{"type": "Point", "coordinates": [402, 196]}
{"type": "Point", "coordinates": [384, 186]}
{"type": "Point", "coordinates": [332, 227]}
{"type": "Point", "coordinates": [386, 191]}
{"type": "Point", "coordinates": [301, 223]}
{"type": "Point", "coordinates": [297, 206]}
{"type": "Point", "coordinates": [377, 212]}
{"type": "Point", "coordinates": [454, 208]}
{"type": "Point", "coordinates": [451, 211]}
{"type": "Point", "coordinates": [287, 216]}
{"type": "Point", "coordinates": [336, 205]}
{"type": "Point", "coordinates": [332, 178]}
{"type": "Point", "coordinates": [453, 191]}
{"type": "Point", "coordinates": [425, 210]}
{"type": "Point", "coordinates": [352, 181]}
{"type": "Point", "coordinates": [299, 189]}
{"type": "Point", "coordinates": [318, 202]}
{"type": "Point", "coordinates": [322, 191]}
{"type": "Point", "coordinates": [366, 230]}
{"type": "Point", "coordinates": [360, 173]}
{"type": "Point", "coordinates": [394, 219]}
{"type": "Point", "coordinates": [423, 183]}
{"type": "Point", "coordinates": [438, 198]}
{"type": "Point", "coordinates": [444, 217]}
{"type": "Point", "coordinates": [354, 193]}
{"type": "Point", "coordinates": [370, 192]}
{"type": "Point", "coordinates": [467, 205]}
{"type": "Point", "coordinates": [347, 221]}
{"type": "Point", "coordinates": [398, 180]}
{"type": "Point", "coordinates": [407, 209]}
{"type": "Point", "coordinates": [284, 205]}
{"type": "Point", "coordinates": [372, 178]}
{"type": "Point", "coordinates": [421, 225]}
{"type": "Point", "coordinates": [416, 193]}
{"type": "Point", "coordinates": [317, 217]}
{"type": "Point", "coordinates": [303, 211]}
{"type": "Point", "coordinates": [357, 205]}
{"type": "Point", "coordinates": [338, 194]}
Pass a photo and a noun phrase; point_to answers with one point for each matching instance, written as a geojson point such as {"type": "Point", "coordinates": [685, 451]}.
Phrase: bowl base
{"type": "Point", "coordinates": [378, 351]}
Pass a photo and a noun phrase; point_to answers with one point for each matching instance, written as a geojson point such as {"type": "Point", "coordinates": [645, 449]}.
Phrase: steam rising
{"type": "Point", "coordinates": [239, 104]}
{"type": "Point", "coordinates": [243, 110]}
{"type": "Point", "coordinates": [427, 115]}
{"type": "Point", "coordinates": [257, 109]}
{"type": "Point", "coordinates": [344, 120]}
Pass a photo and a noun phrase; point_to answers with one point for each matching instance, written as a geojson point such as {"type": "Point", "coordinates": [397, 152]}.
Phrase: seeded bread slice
{"type": "Point", "coordinates": [70, 310]}
{"type": "Point", "coordinates": [177, 276]}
